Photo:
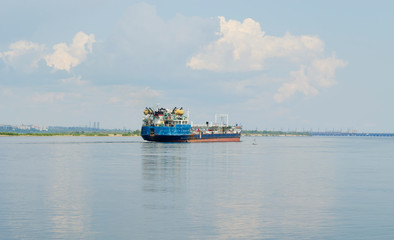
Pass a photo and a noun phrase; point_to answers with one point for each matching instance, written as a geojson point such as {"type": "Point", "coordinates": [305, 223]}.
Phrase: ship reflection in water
{"type": "Point", "coordinates": [164, 167]}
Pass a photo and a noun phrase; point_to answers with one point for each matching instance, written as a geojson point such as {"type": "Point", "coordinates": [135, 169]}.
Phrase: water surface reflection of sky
{"type": "Point", "coordinates": [125, 188]}
{"type": "Point", "coordinates": [69, 198]}
{"type": "Point", "coordinates": [240, 190]}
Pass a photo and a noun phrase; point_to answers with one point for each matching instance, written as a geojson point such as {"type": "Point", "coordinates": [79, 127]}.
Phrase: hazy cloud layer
{"type": "Point", "coordinates": [143, 58]}
{"type": "Point", "coordinates": [158, 49]}
{"type": "Point", "coordinates": [143, 43]}
{"type": "Point", "coordinates": [113, 105]}
{"type": "Point", "coordinates": [75, 80]}
{"type": "Point", "coordinates": [243, 47]}
{"type": "Point", "coordinates": [131, 96]}
{"type": "Point", "coordinates": [75, 88]}
{"type": "Point", "coordinates": [49, 97]}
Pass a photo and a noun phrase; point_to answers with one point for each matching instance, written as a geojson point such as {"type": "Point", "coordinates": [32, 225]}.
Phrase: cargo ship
{"type": "Point", "coordinates": [165, 125]}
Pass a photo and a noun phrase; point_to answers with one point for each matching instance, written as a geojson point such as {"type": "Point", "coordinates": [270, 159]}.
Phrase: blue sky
{"type": "Point", "coordinates": [268, 64]}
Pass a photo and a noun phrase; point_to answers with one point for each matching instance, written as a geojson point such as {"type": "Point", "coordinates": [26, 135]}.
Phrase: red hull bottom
{"type": "Point", "coordinates": [215, 140]}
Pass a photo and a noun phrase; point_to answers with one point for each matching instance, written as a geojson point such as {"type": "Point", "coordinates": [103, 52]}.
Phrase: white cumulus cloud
{"type": "Point", "coordinates": [243, 47]}
{"type": "Point", "coordinates": [65, 57]}
{"type": "Point", "coordinates": [320, 73]}
{"type": "Point", "coordinates": [24, 55]}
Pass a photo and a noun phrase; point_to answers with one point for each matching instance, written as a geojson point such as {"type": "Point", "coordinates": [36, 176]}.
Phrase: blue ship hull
{"type": "Point", "coordinates": [182, 133]}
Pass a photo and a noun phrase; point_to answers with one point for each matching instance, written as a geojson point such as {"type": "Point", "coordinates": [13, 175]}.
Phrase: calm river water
{"type": "Point", "coordinates": [260, 188]}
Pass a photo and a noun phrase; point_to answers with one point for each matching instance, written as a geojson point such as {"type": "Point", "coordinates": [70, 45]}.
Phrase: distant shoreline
{"type": "Point", "coordinates": [124, 135]}
{"type": "Point", "coordinates": [275, 135]}
{"type": "Point", "coordinates": [256, 133]}
{"type": "Point", "coordinates": [137, 133]}
{"type": "Point", "coordinates": [66, 135]}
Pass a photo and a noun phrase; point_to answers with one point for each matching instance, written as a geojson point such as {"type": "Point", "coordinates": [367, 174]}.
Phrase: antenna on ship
{"type": "Point", "coordinates": [223, 118]}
